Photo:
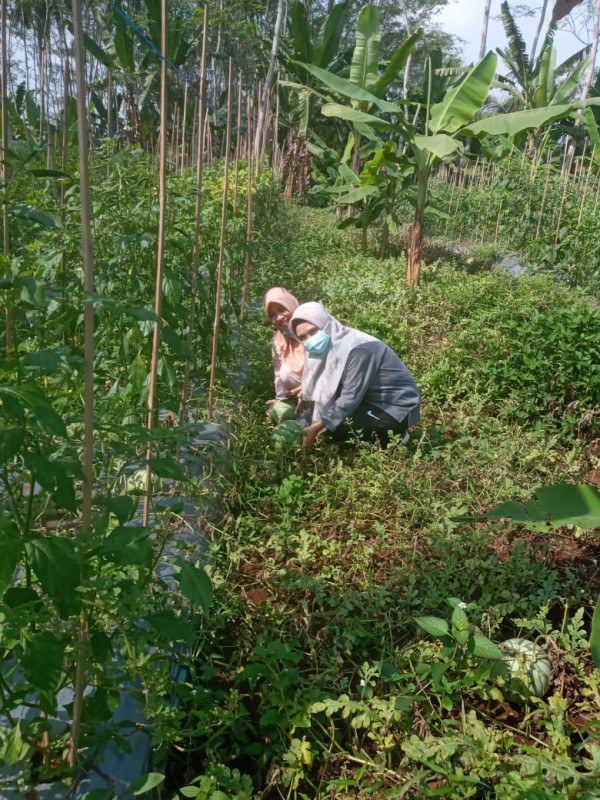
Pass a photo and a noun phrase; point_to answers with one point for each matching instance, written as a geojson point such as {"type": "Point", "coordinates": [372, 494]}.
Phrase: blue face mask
{"type": "Point", "coordinates": [317, 344]}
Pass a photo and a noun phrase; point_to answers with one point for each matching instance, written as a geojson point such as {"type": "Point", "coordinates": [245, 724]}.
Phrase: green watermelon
{"type": "Point", "coordinates": [136, 482]}
{"type": "Point", "coordinates": [525, 669]}
{"type": "Point", "coordinates": [287, 436]}
{"type": "Point", "coordinates": [281, 410]}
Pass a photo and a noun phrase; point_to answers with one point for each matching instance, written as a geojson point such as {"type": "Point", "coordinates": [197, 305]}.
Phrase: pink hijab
{"type": "Point", "coordinates": [288, 348]}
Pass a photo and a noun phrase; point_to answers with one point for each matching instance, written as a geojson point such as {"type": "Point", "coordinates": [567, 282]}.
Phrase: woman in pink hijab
{"type": "Point", "coordinates": [288, 352]}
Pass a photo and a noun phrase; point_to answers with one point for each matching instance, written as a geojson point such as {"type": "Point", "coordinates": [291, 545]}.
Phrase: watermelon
{"type": "Point", "coordinates": [287, 435]}
{"type": "Point", "coordinates": [281, 410]}
{"type": "Point", "coordinates": [525, 669]}
{"type": "Point", "coordinates": [136, 482]}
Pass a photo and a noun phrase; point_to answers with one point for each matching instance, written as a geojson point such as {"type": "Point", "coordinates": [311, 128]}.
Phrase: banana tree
{"type": "Point", "coordinates": [446, 122]}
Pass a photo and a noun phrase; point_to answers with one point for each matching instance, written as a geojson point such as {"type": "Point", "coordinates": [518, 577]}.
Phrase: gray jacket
{"type": "Point", "coordinates": [374, 375]}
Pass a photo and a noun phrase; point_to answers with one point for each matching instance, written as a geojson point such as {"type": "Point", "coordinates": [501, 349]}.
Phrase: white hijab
{"type": "Point", "coordinates": [323, 373]}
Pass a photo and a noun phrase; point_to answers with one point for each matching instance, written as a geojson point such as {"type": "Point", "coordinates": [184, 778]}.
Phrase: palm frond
{"type": "Point", "coordinates": [517, 48]}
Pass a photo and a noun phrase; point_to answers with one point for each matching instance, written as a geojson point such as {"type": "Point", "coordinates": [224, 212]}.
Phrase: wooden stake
{"type": "Point", "coordinates": [237, 146]}
{"type": "Point", "coordinates": [215, 344]}
{"type": "Point", "coordinates": [63, 186]}
{"type": "Point", "coordinates": [498, 222]}
{"type": "Point", "coordinates": [545, 192]}
{"type": "Point", "coordinates": [584, 195]}
{"type": "Point", "coordinates": [5, 228]}
{"type": "Point", "coordinates": [183, 120]}
{"type": "Point", "coordinates": [194, 145]}
{"type": "Point", "coordinates": [160, 257]}
{"type": "Point", "coordinates": [197, 221]}
{"type": "Point", "coordinates": [248, 224]}
{"type": "Point", "coordinates": [88, 351]}
{"type": "Point", "coordinates": [109, 103]}
{"type": "Point", "coordinates": [562, 203]}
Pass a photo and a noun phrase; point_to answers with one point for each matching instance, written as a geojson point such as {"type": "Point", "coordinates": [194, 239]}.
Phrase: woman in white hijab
{"type": "Point", "coordinates": [356, 383]}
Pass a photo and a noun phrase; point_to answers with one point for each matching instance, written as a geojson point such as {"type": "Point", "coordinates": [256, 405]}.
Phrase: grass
{"type": "Point", "coordinates": [313, 679]}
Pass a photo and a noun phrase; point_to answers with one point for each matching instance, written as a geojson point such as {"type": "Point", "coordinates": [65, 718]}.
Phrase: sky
{"type": "Point", "coordinates": [464, 18]}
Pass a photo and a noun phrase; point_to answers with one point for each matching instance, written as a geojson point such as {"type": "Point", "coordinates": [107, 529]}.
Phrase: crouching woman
{"type": "Point", "coordinates": [355, 383]}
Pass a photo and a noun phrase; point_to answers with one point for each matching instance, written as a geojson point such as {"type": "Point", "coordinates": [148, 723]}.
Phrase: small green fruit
{"type": "Point", "coordinates": [287, 436]}
{"type": "Point", "coordinates": [525, 669]}
{"type": "Point", "coordinates": [281, 411]}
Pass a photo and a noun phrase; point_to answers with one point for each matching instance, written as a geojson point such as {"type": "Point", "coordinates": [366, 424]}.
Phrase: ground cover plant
{"type": "Point", "coordinates": [327, 667]}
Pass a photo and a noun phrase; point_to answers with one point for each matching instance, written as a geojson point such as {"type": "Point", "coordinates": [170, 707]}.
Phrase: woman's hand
{"type": "Point", "coordinates": [311, 433]}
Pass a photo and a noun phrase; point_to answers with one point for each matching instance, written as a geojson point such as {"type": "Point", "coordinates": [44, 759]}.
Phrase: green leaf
{"type": "Point", "coordinates": [300, 30]}
{"type": "Point", "coordinates": [397, 63]}
{"type": "Point", "coordinates": [42, 661]}
{"type": "Point", "coordinates": [440, 145]}
{"type": "Point", "coordinates": [145, 783]}
{"type": "Point", "coordinates": [34, 215]}
{"type": "Point", "coordinates": [57, 567]}
{"type": "Point", "coordinates": [332, 33]}
{"type": "Point", "coordinates": [48, 359]}
{"type": "Point", "coordinates": [31, 291]}
{"type": "Point", "coordinates": [170, 627]}
{"type": "Point", "coordinates": [564, 93]}
{"type": "Point", "coordinates": [11, 549]}
{"type": "Point", "coordinates": [196, 585]}
{"type": "Point", "coordinates": [351, 90]}
{"type": "Point", "coordinates": [48, 173]}
{"type": "Point", "coordinates": [93, 47]}
{"type": "Point", "coordinates": [123, 507]}
{"type": "Point", "coordinates": [351, 114]}
{"type": "Point", "coordinates": [165, 468]}
{"type": "Point", "coordinates": [354, 195]}
{"type": "Point", "coordinates": [31, 396]}
{"type": "Point", "coordinates": [516, 122]}
{"type": "Point", "coordinates": [123, 41]}
{"type": "Point", "coordinates": [54, 478]}
{"type": "Point", "coordinates": [595, 636]}
{"type": "Point", "coordinates": [551, 507]}
{"type": "Point", "coordinates": [125, 545]}
{"type": "Point", "coordinates": [592, 126]}
{"type": "Point", "coordinates": [460, 620]}
{"type": "Point", "coordinates": [485, 648]}
{"type": "Point", "coordinates": [11, 441]}
{"type": "Point", "coordinates": [462, 102]}
{"type": "Point", "coordinates": [433, 625]}
{"type": "Point", "coordinates": [546, 81]}
{"type": "Point", "coordinates": [365, 59]}
{"type": "Point", "coordinates": [177, 345]}
{"type": "Point", "coordinates": [144, 314]}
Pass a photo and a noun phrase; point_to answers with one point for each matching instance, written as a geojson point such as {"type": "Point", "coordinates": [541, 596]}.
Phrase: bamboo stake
{"type": "Point", "coordinates": [545, 192]}
{"type": "Point", "coordinates": [183, 119]}
{"type": "Point", "coordinates": [597, 195]}
{"type": "Point", "coordinates": [498, 222]}
{"type": "Point", "coordinates": [194, 144]}
{"type": "Point", "coordinates": [562, 203]}
{"type": "Point", "coordinates": [196, 246]}
{"type": "Point", "coordinates": [248, 224]}
{"type": "Point", "coordinates": [88, 351]}
{"type": "Point", "coordinates": [215, 344]}
{"type": "Point", "coordinates": [237, 147]}
{"type": "Point", "coordinates": [173, 155]}
{"type": "Point", "coordinates": [63, 187]}
{"type": "Point", "coordinates": [584, 195]}
{"type": "Point", "coordinates": [109, 103]}
{"type": "Point", "coordinates": [5, 228]}
{"type": "Point", "coordinates": [209, 143]}
{"type": "Point", "coordinates": [160, 256]}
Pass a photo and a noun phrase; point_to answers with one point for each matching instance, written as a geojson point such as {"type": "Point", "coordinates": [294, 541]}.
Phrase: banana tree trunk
{"type": "Point", "coordinates": [415, 246]}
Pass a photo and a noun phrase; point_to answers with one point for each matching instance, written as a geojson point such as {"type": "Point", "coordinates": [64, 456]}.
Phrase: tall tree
{"type": "Point", "coordinates": [484, 27]}
{"type": "Point", "coordinates": [262, 114]}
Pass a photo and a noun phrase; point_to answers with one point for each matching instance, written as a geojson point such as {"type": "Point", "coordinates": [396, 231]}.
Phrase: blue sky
{"type": "Point", "coordinates": [464, 18]}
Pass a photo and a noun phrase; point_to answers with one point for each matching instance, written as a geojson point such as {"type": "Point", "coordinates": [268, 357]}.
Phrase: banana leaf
{"type": "Point", "coordinates": [440, 145]}
{"type": "Point", "coordinates": [332, 33]}
{"type": "Point", "coordinates": [547, 86]}
{"type": "Point", "coordinates": [300, 30]}
{"type": "Point", "coordinates": [351, 90]}
{"type": "Point", "coordinates": [365, 59]}
{"type": "Point", "coordinates": [397, 63]}
{"type": "Point", "coordinates": [570, 84]}
{"type": "Point", "coordinates": [461, 103]}
{"type": "Point", "coordinates": [352, 114]}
